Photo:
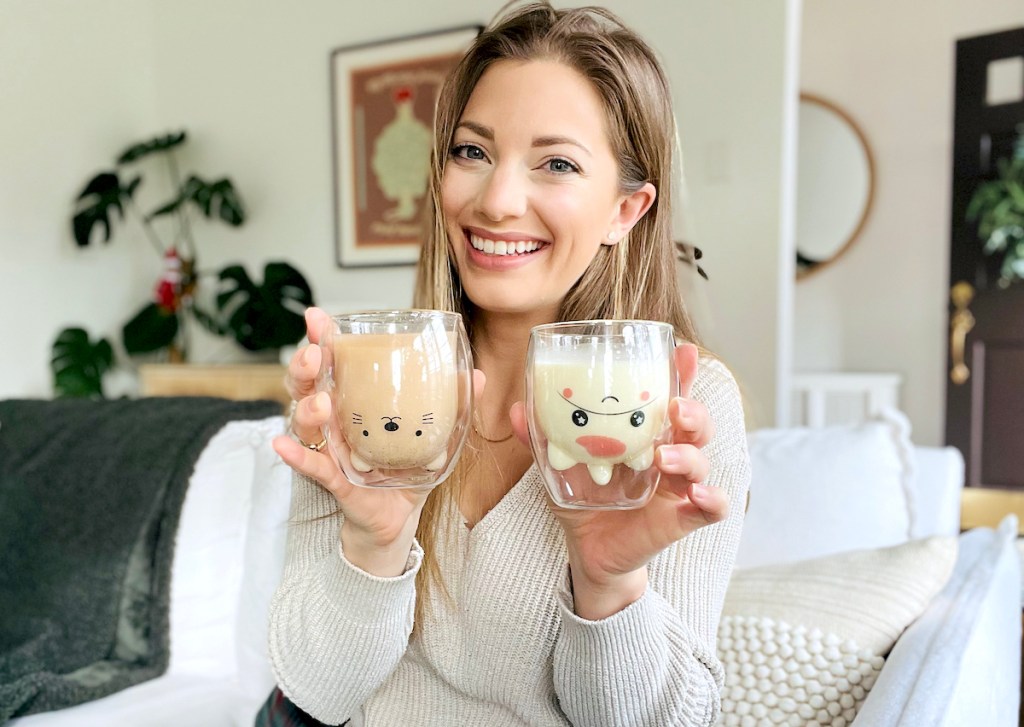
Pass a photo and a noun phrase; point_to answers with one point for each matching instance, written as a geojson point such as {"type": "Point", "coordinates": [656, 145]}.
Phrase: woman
{"type": "Point", "coordinates": [482, 603]}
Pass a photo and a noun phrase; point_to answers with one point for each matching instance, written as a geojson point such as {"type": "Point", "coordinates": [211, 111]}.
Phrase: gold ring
{"type": "Point", "coordinates": [318, 447]}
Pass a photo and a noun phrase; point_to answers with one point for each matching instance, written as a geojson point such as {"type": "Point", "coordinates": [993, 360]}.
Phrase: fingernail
{"type": "Point", "coordinates": [699, 492]}
{"type": "Point", "coordinates": [669, 456]}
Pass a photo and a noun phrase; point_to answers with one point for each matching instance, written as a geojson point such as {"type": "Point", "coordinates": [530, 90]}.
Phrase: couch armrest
{"type": "Point", "coordinates": [959, 663]}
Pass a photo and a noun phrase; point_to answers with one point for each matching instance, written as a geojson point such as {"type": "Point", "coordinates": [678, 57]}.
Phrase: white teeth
{"type": "Point", "coordinates": [501, 247]}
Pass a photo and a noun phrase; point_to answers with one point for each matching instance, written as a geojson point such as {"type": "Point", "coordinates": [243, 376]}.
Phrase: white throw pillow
{"type": "Point", "coordinates": [209, 551]}
{"type": "Point", "coordinates": [802, 643]}
{"type": "Point", "coordinates": [264, 562]}
{"type": "Point", "coordinates": [814, 492]}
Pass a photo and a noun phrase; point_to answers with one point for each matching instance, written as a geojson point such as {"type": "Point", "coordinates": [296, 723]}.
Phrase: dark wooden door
{"type": "Point", "coordinates": [985, 361]}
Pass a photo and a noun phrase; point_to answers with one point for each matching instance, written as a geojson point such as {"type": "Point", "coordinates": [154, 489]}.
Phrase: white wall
{"type": "Point", "coordinates": [728, 66]}
{"type": "Point", "coordinates": [882, 307]}
{"type": "Point", "coordinates": [76, 82]}
{"type": "Point", "coordinates": [249, 80]}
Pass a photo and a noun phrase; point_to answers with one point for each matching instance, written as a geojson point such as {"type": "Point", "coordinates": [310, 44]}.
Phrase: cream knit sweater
{"type": "Point", "coordinates": [511, 651]}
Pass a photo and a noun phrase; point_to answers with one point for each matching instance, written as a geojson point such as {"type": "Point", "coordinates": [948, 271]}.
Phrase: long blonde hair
{"type": "Point", "coordinates": [640, 271]}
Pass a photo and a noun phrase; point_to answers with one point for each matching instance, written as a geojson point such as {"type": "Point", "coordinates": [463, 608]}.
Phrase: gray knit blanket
{"type": "Point", "coordinates": [90, 496]}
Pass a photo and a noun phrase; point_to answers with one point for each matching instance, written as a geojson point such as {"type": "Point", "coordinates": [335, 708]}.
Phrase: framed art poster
{"type": "Point", "coordinates": [384, 95]}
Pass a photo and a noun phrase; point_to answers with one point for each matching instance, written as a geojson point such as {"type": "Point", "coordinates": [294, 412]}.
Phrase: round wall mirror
{"type": "Point", "coordinates": [835, 184]}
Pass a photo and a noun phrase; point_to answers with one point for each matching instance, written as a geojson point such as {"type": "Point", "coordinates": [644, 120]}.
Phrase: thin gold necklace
{"type": "Point", "coordinates": [488, 439]}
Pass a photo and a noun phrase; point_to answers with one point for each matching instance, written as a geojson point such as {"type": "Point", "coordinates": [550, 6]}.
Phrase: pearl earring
{"type": "Point", "coordinates": [613, 236]}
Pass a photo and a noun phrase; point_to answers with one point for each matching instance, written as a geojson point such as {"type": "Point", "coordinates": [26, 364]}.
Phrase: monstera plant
{"type": "Point", "coordinates": [258, 315]}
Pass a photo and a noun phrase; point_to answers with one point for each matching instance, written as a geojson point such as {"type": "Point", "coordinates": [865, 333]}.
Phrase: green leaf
{"type": "Point", "coordinates": [166, 209]}
{"type": "Point", "coordinates": [78, 364]}
{"type": "Point", "coordinates": [242, 284]}
{"type": "Point", "coordinates": [154, 145]}
{"type": "Point", "coordinates": [268, 315]}
{"type": "Point", "coordinates": [151, 329]}
{"type": "Point", "coordinates": [218, 199]}
{"type": "Point", "coordinates": [102, 197]}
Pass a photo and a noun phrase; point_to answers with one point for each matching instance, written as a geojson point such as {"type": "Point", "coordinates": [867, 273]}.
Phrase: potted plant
{"type": "Point", "coordinates": [263, 315]}
{"type": "Point", "coordinates": [998, 207]}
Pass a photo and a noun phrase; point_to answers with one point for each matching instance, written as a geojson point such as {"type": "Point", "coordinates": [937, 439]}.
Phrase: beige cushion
{"type": "Point", "coordinates": [802, 643]}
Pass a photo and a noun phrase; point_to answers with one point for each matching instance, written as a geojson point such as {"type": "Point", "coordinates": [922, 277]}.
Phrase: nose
{"type": "Point", "coordinates": [504, 194]}
{"type": "Point", "coordinates": [390, 427]}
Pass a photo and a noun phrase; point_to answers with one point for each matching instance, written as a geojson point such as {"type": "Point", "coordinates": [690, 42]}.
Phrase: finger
{"type": "Point", "coordinates": [686, 355]}
{"type": "Point", "coordinates": [310, 416]}
{"type": "Point", "coordinates": [302, 372]}
{"type": "Point", "coordinates": [317, 465]}
{"type": "Point", "coordinates": [517, 415]}
{"type": "Point", "coordinates": [703, 506]}
{"type": "Point", "coordinates": [316, 319]}
{"type": "Point", "coordinates": [682, 460]}
{"type": "Point", "coordinates": [691, 422]}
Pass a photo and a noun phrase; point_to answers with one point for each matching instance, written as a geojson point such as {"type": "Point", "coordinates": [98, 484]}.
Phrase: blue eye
{"type": "Point", "coordinates": [468, 151]}
{"type": "Point", "coordinates": [562, 166]}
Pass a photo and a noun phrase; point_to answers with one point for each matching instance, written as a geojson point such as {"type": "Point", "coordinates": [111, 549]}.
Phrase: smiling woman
{"type": "Point", "coordinates": [485, 601]}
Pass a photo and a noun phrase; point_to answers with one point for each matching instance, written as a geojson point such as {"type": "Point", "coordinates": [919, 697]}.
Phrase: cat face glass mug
{"type": "Point", "coordinates": [401, 391]}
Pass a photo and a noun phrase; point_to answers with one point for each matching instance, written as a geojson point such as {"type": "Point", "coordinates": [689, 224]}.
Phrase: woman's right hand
{"type": "Point", "coordinates": [380, 524]}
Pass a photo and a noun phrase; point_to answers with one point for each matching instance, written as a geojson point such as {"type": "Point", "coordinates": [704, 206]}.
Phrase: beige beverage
{"type": "Point", "coordinates": [396, 398]}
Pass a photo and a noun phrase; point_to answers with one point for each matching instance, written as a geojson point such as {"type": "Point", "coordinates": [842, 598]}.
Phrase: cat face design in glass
{"type": "Point", "coordinates": [395, 418]}
{"type": "Point", "coordinates": [400, 383]}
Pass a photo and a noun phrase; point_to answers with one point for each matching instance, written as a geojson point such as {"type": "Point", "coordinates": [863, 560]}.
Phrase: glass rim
{"type": "Point", "coordinates": [561, 326]}
{"type": "Point", "coordinates": [384, 316]}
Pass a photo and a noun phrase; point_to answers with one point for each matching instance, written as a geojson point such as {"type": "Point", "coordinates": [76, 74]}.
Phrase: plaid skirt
{"type": "Point", "coordinates": [279, 711]}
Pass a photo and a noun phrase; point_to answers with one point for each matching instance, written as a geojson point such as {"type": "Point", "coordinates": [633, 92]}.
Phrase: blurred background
{"type": "Point", "coordinates": [250, 81]}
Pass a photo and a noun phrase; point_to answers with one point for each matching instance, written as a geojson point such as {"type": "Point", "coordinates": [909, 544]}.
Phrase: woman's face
{"type": "Point", "coordinates": [530, 190]}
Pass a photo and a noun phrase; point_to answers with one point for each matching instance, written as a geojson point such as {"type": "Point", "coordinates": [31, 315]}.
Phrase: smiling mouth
{"type": "Point", "coordinates": [501, 247]}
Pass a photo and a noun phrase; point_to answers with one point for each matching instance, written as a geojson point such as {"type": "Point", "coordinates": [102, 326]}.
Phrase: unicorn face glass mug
{"type": "Point", "coordinates": [597, 405]}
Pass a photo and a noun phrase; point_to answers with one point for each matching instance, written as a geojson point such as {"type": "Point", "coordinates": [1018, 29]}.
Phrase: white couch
{"type": "Point", "coordinates": [958, 664]}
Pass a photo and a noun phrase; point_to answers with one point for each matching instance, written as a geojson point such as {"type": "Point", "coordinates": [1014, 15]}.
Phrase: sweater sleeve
{"type": "Point", "coordinates": [336, 632]}
{"type": "Point", "coordinates": [654, 662]}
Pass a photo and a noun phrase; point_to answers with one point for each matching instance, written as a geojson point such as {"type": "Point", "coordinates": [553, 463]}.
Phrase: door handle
{"type": "Point", "coordinates": [960, 324]}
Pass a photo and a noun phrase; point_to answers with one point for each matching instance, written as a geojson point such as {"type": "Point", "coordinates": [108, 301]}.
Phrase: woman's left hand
{"type": "Point", "coordinates": [609, 549]}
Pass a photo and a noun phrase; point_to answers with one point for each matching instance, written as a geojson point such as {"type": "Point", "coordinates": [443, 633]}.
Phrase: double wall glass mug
{"type": "Point", "coordinates": [597, 395]}
{"type": "Point", "coordinates": [401, 391]}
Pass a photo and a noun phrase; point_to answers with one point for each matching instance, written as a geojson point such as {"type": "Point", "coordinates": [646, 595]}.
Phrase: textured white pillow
{"type": "Point", "coordinates": [814, 492]}
{"type": "Point", "coordinates": [802, 643]}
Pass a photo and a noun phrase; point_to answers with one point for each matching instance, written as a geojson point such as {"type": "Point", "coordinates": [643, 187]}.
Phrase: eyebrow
{"type": "Point", "coordinates": [539, 141]}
